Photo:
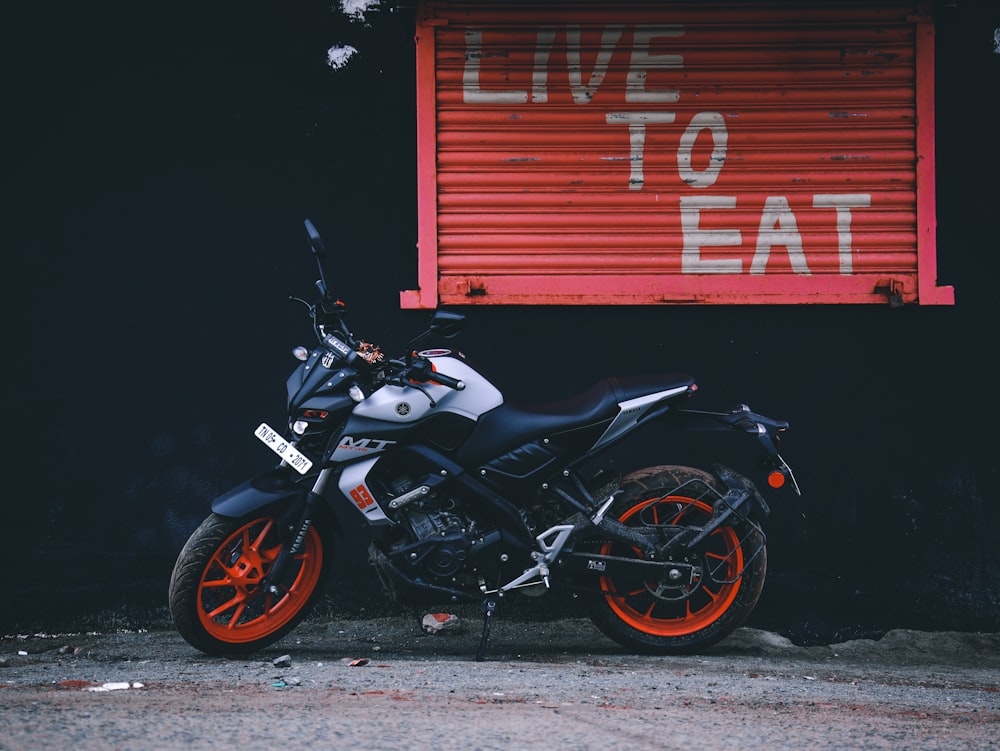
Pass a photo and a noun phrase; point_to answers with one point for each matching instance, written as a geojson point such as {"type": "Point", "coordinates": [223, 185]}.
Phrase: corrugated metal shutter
{"type": "Point", "coordinates": [585, 153]}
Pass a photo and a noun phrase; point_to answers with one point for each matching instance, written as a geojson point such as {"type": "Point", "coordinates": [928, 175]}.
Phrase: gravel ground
{"type": "Point", "coordinates": [555, 684]}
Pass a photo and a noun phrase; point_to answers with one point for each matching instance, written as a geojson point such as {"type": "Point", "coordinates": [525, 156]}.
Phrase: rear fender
{"type": "Point", "coordinates": [742, 420]}
{"type": "Point", "coordinates": [742, 496]}
{"type": "Point", "coordinates": [741, 501]}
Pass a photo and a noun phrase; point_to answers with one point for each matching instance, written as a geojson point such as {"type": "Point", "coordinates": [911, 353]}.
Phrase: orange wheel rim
{"type": "Point", "coordinates": [637, 603]}
{"type": "Point", "coordinates": [232, 607]}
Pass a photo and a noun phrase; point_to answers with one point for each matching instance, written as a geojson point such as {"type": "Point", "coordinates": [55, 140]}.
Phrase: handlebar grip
{"type": "Point", "coordinates": [422, 370]}
{"type": "Point", "coordinates": [446, 380]}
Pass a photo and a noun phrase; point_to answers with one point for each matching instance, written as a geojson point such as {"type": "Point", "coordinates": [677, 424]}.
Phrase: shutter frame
{"type": "Point", "coordinates": [532, 195]}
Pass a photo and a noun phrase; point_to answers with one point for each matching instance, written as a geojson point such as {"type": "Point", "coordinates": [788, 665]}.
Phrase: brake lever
{"type": "Point", "coordinates": [423, 391]}
{"type": "Point", "coordinates": [402, 380]}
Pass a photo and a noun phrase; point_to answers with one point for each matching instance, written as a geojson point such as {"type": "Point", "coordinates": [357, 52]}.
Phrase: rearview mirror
{"type": "Point", "coordinates": [447, 324]}
{"type": "Point", "coordinates": [444, 323]}
{"type": "Point", "coordinates": [315, 241]}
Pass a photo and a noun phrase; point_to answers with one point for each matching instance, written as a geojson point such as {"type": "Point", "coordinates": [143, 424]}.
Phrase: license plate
{"type": "Point", "coordinates": [279, 445]}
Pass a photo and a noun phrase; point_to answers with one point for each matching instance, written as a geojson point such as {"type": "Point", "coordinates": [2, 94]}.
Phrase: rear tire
{"type": "Point", "coordinates": [215, 598]}
{"type": "Point", "coordinates": [663, 617]}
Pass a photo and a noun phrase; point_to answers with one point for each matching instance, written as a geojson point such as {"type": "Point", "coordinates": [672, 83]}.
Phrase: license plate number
{"type": "Point", "coordinates": [279, 445]}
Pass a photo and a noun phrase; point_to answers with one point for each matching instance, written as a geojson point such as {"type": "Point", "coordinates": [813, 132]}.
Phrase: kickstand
{"type": "Point", "coordinates": [489, 607]}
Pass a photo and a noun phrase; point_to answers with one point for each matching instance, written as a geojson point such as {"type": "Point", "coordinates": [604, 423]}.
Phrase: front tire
{"type": "Point", "coordinates": [215, 597]}
{"type": "Point", "coordinates": [728, 568]}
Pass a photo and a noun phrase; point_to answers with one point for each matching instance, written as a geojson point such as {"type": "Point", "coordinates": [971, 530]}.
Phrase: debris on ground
{"type": "Point", "coordinates": [115, 686]}
{"type": "Point", "coordinates": [434, 623]}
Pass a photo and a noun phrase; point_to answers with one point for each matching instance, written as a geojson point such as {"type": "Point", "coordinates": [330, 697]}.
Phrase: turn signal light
{"type": "Point", "coordinates": [776, 478]}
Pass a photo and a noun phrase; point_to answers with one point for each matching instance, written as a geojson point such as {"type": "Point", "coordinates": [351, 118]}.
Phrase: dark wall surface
{"type": "Point", "coordinates": [166, 160]}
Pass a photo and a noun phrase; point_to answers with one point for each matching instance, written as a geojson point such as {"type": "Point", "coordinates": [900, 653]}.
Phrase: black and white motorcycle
{"type": "Point", "coordinates": [471, 498]}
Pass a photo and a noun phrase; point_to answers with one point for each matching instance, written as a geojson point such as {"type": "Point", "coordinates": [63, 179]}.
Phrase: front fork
{"type": "Point", "coordinates": [297, 526]}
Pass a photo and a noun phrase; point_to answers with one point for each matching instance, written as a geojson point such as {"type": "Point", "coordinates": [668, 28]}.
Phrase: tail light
{"type": "Point", "coordinates": [776, 478]}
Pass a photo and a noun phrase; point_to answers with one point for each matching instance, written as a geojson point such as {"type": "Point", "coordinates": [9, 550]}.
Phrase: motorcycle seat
{"type": "Point", "coordinates": [513, 424]}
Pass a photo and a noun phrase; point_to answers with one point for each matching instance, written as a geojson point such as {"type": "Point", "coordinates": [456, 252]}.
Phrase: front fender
{"type": "Point", "coordinates": [271, 487]}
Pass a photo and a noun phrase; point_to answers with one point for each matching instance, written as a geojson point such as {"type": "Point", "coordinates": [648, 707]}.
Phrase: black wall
{"type": "Point", "coordinates": [166, 157]}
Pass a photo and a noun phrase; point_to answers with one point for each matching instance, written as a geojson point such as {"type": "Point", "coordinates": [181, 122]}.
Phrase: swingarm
{"type": "Point", "coordinates": [661, 544]}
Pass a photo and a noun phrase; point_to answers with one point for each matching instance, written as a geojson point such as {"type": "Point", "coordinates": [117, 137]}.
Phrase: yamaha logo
{"type": "Point", "coordinates": [329, 358]}
{"type": "Point", "coordinates": [402, 409]}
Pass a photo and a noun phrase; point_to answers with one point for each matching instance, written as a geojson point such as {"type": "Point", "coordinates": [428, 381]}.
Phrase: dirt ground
{"type": "Point", "coordinates": [385, 684]}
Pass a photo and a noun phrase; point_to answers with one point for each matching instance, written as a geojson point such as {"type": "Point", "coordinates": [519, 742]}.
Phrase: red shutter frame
{"type": "Point", "coordinates": [510, 214]}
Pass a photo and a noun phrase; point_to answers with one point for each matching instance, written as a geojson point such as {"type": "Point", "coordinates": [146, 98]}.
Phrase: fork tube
{"type": "Point", "coordinates": [321, 481]}
{"type": "Point", "coordinates": [301, 529]}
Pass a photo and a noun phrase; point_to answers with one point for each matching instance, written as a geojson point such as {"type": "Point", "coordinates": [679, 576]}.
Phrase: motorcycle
{"type": "Point", "coordinates": [471, 498]}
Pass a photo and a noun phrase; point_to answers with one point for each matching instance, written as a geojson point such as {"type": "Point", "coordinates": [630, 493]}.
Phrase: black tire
{"type": "Point", "coordinates": [215, 600]}
{"type": "Point", "coordinates": [662, 617]}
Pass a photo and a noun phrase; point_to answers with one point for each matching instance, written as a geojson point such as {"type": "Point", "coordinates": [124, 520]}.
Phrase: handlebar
{"type": "Point", "coordinates": [334, 335]}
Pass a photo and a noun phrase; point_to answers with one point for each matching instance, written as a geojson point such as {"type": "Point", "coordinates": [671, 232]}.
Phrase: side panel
{"type": "Point", "coordinates": [354, 486]}
{"type": "Point", "coordinates": [363, 437]}
{"type": "Point", "coordinates": [631, 412]}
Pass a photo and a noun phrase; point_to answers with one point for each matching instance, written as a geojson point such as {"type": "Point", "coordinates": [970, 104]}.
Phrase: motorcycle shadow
{"type": "Point", "coordinates": [404, 637]}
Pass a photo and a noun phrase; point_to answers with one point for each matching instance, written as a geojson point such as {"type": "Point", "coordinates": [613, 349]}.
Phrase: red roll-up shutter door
{"type": "Point", "coordinates": [632, 153]}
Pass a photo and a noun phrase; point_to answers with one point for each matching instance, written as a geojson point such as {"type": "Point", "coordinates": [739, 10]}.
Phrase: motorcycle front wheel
{"type": "Point", "coordinates": [713, 589]}
{"type": "Point", "coordinates": [216, 599]}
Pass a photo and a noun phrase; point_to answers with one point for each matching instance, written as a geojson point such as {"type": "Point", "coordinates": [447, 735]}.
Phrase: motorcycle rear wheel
{"type": "Point", "coordinates": [665, 617]}
{"type": "Point", "coordinates": [215, 596]}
